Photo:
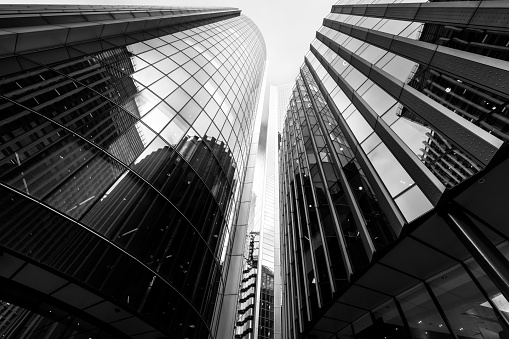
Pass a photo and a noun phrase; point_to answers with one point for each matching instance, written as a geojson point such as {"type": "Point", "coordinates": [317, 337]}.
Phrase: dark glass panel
{"type": "Point", "coordinates": [54, 165]}
{"type": "Point", "coordinates": [93, 116]}
{"type": "Point", "coordinates": [422, 315]}
{"type": "Point", "coordinates": [388, 322]}
{"type": "Point", "coordinates": [489, 287]}
{"type": "Point", "coordinates": [464, 305]}
{"type": "Point", "coordinates": [49, 238]}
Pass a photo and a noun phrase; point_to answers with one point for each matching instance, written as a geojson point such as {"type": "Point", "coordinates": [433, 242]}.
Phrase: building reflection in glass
{"type": "Point", "coordinates": [413, 90]}
{"type": "Point", "coordinates": [138, 151]}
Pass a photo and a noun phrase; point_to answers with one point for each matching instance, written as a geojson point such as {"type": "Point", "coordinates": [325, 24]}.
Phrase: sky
{"type": "Point", "coordinates": [288, 26]}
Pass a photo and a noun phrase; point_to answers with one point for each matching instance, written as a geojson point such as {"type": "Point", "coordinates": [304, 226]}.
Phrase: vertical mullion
{"type": "Point", "coordinates": [491, 260]}
{"type": "Point", "coordinates": [291, 250]}
{"type": "Point", "coordinates": [440, 310]}
{"type": "Point", "coordinates": [285, 265]}
{"type": "Point", "coordinates": [502, 320]}
{"type": "Point", "coordinates": [335, 218]}
{"type": "Point", "coordinates": [295, 207]}
{"type": "Point", "coordinates": [354, 206]}
{"type": "Point", "coordinates": [382, 194]}
{"type": "Point", "coordinates": [293, 235]}
{"type": "Point", "coordinates": [315, 203]}
{"type": "Point", "coordinates": [403, 317]}
{"type": "Point", "coordinates": [306, 214]}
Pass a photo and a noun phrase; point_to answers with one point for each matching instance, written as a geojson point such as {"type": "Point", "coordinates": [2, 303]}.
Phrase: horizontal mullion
{"type": "Point", "coordinates": [460, 64]}
{"type": "Point", "coordinates": [464, 133]}
{"type": "Point", "coordinates": [425, 179]}
{"type": "Point", "coordinates": [21, 40]}
{"type": "Point", "coordinates": [474, 14]}
{"type": "Point", "coordinates": [386, 202]}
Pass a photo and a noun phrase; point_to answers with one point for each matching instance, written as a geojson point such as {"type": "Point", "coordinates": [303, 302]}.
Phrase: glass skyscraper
{"type": "Point", "coordinates": [393, 174]}
{"type": "Point", "coordinates": [279, 96]}
{"type": "Point", "coordinates": [259, 305]}
{"type": "Point", "coordinates": [125, 133]}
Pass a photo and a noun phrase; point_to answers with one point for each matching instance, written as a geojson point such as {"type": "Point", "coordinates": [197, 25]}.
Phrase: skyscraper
{"type": "Point", "coordinates": [259, 305]}
{"type": "Point", "coordinates": [125, 133]}
{"type": "Point", "coordinates": [279, 96]}
{"type": "Point", "coordinates": [393, 162]}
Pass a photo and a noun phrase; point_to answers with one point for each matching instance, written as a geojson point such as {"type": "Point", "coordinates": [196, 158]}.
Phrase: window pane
{"type": "Point", "coordinates": [464, 305]}
{"type": "Point", "coordinates": [180, 58]}
{"type": "Point", "coordinates": [151, 56]}
{"type": "Point", "coordinates": [493, 292]}
{"type": "Point", "coordinates": [422, 316]}
{"type": "Point", "coordinates": [138, 48]}
{"type": "Point", "coordinates": [179, 76]}
{"type": "Point", "coordinates": [157, 144]}
{"type": "Point", "coordinates": [190, 111]}
{"type": "Point", "coordinates": [372, 53]}
{"type": "Point", "coordinates": [412, 134]}
{"type": "Point", "coordinates": [166, 109]}
{"type": "Point", "coordinates": [371, 142]}
{"type": "Point", "coordinates": [166, 65]}
{"type": "Point", "coordinates": [359, 126]}
{"type": "Point", "coordinates": [413, 203]}
{"type": "Point", "coordinates": [145, 100]}
{"type": "Point", "coordinates": [174, 132]}
{"type": "Point", "coordinates": [202, 97]}
{"type": "Point", "coordinates": [388, 321]}
{"type": "Point", "coordinates": [202, 124]}
{"type": "Point", "coordinates": [178, 99]}
{"type": "Point", "coordinates": [191, 67]}
{"type": "Point", "coordinates": [400, 68]}
{"type": "Point", "coordinates": [394, 26]}
{"type": "Point", "coordinates": [147, 75]}
{"type": "Point", "coordinates": [391, 115]}
{"type": "Point", "coordinates": [341, 100]}
{"type": "Point", "coordinates": [163, 87]}
{"type": "Point", "coordinates": [191, 86]}
{"type": "Point", "coordinates": [156, 120]}
{"type": "Point", "coordinates": [167, 50]}
{"type": "Point", "coordinates": [139, 63]}
{"type": "Point", "coordinates": [394, 176]}
{"type": "Point", "coordinates": [378, 99]}
{"type": "Point", "coordinates": [355, 78]}
{"type": "Point", "coordinates": [155, 42]}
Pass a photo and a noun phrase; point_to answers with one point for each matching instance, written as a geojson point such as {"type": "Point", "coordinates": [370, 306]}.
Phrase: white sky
{"type": "Point", "coordinates": [288, 26]}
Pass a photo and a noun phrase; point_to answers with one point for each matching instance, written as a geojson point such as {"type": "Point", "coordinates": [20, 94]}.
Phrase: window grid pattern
{"type": "Point", "coordinates": [132, 142]}
{"type": "Point", "coordinates": [446, 161]}
{"type": "Point", "coordinates": [366, 66]}
{"type": "Point", "coordinates": [323, 200]}
{"type": "Point", "coordinates": [266, 315]}
{"type": "Point", "coordinates": [467, 97]}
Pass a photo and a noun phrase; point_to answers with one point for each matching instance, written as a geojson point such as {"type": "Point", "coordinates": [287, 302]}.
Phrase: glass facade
{"type": "Point", "coordinates": [259, 306]}
{"type": "Point", "coordinates": [121, 169]}
{"type": "Point", "coordinates": [393, 122]}
{"type": "Point", "coordinates": [279, 96]}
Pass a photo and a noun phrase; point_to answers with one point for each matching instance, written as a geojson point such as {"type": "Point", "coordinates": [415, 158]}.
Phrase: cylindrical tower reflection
{"type": "Point", "coordinates": [120, 172]}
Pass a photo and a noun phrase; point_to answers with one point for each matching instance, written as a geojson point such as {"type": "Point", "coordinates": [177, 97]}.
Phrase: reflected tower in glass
{"type": "Point", "coordinates": [393, 174]}
{"type": "Point", "coordinates": [259, 298]}
{"type": "Point", "coordinates": [125, 133]}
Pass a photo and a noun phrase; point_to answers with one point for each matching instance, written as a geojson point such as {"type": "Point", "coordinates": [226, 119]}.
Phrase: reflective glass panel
{"type": "Point", "coordinates": [394, 176]}
{"type": "Point", "coordinates": [413, 203]}
{"type": "Point", "coordinates": [163, 87]}
{"type": "Point", "coordinates": [156, 120]}
{"type": "Point", "coordinates": [147, 75]}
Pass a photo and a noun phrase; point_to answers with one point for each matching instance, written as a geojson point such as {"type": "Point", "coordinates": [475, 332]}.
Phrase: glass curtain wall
{"type": "Point", "coordinates": [384, 119]}
{"type": "Point", "coordinates": [128, 144]}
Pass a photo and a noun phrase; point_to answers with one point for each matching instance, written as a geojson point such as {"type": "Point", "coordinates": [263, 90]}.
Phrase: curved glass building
{"type": "Point", "coordinates": [393, 172]}
{"type": "Point", "coordinates": [124, 138]}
